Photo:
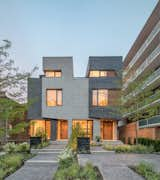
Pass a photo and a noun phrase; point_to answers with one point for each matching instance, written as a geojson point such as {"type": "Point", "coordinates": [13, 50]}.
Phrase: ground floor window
{"type": "Point", "coordinates": [62, 129]}
{"type": "Point", "coordinates": [38, 127]}
{"type": "Point", "coordinates": [86, 126]}
{"type": "Point", "coordinates": [106, 129]}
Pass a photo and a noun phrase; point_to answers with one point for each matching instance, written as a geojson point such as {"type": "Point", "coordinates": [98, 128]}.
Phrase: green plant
{"type": "Point", "coordinates": [23, 147]}
{"type": "Point", "coordinates": [9, 163]}
{"type": "Point", "coordinates": [10, 148]}
{"type": "Point", "coordinates": [129, 148]}
{"type": "Point", "coordinates": [150, 142]}
{"type": "Point", "coordinates": [76, 132]}
{"type": "Point", "coordinates": [41, 133]}
{"type": "Point", "coordinates": [14, 148]}
{"type": "Point", "coordinates": [98, 138]}
{"type": "Point", "coordinates": [147, 171]}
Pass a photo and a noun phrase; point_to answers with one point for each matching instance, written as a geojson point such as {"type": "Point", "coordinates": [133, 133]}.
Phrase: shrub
{"type": "Point", "coordinates": [150, 142]}
{"type": "Point", "coordinates": [11, 162]}
{"type": "Point", "coordinates": [72, 170]}
{"type": "Point", "coordinates": [98, 138]}
{"type": "Point", "coordinates": [129, 148]}
{"type": "Point", "coordinates": [67, 153]}
{"type": "Point", "coordinates": [10, 148]}
{"type": "Point", "coordinates": [147, 171]}
{"type": "Point", "coordinates": [76, 132]}
{"type": "Point", "coordinates": [23, 147]}
{"type": "Point", "coordinates": [14, 148]}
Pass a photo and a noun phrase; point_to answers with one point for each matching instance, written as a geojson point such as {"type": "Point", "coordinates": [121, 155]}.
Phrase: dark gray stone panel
{"type": "Point", "coordinates": [34, 97]}
{"type": "Point", "coordinates": [53, 129]}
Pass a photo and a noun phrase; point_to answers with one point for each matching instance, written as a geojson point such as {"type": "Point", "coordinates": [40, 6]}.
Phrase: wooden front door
{"type": "Point", "coordinates": [63, 129]}
{"type": "Point", "coordinates": [107, 130]}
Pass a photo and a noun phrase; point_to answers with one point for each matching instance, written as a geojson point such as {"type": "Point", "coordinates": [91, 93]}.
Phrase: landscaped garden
{"type": "Point", "coordinates": [147, 171]}
{"type": "Point", "coordinates": [14, 157]}
{"type": "Point", "coordinates": [69, 167]}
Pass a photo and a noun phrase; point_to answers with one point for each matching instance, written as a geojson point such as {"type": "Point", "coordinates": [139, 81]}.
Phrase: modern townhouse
{"type": "Point", "coordinates": [59, 100]}
{"type": "Point", "coordinates": [143, 57]}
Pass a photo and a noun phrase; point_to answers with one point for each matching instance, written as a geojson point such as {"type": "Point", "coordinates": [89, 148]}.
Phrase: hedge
{"type": "Point", "coordinates": [150, 142]}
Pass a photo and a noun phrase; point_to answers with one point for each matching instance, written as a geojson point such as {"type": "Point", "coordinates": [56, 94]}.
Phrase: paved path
{"type": "Point", "coordinates": [115, 166]}
{"type": "Point", "coordinates": [40, 167]}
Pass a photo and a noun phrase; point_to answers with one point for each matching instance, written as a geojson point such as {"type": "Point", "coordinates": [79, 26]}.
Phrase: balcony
{"type": "Point", "coordinates": [154, 32]}
{"type": "Point", "coordinates": [144, 65]}
{"type": "Point", "coordinates": [150, 122]}
{"type": "Point", "coordinates": [152, 100]}
{"type": "Point", "coordinates": [152, 78]}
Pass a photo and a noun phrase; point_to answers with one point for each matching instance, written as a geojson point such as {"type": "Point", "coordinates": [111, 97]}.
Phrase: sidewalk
{"type": "Point", "coordinates": [40, 167]}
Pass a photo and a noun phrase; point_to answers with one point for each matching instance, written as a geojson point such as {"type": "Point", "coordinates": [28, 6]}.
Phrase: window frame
{"type": "Point", "coordinates": [54, 72]}
{"type": "Point", "coordinates": [59, 89]}
{"type": "Point", "coordinates": [103, 71]}
{"type": "Point", "coordinates": [98, 97]}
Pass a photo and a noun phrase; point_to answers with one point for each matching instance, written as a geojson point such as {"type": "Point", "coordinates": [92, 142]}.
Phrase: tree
{"type": "Point", "coordinates": [13, 83]}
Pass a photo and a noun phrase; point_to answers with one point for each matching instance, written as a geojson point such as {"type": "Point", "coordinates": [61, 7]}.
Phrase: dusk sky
{"type": "Point", "coordinates": [78, 28]}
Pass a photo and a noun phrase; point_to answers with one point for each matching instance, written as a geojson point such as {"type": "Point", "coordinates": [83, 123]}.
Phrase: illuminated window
{"type": "Point", "coordinates": [39, 127]}
{"type": "Point", "coordinates": [85, 125]}
{"type": "Point", "coordinates": [108, 73]}
{"type": "Point", "coordinates": [50, 73]}
{"type": "Point", "coordinates": [100, 97]}
{"type": "Point", "coordinates": [54, 97]}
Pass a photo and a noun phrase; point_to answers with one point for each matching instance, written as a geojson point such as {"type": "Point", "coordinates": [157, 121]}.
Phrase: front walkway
{"type": "Point", "coordinates": [40, 167]}
{"type": "Point", "coordinates": [114, 166]}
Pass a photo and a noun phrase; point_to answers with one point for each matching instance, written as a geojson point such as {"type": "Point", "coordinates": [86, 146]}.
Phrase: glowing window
{"type": "Point", "coordinates": [54, 97]}
{"type": "Point", "coordinates": [39, 127]}
{"type": "Point", "coordinates": [54, 73]}
{"type": "Point", "coordinates": [85, 125]}
{"type": "Point", "coordinates": [100, 97]}
{"type": "Point", "coordinates": [102, 73]}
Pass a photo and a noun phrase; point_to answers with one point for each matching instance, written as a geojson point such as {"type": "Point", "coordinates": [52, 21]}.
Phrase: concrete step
{"type": "Point", "coordinates": [41, 162]}
{"type": "Point", "coordinates": [59, 142]}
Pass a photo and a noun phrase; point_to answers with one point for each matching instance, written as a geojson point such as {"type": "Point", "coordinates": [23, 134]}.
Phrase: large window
{"type": "Point", "coordinates": [53, 73]}
{"type": "Point", "coordinates": [85, 125]}
{"type": "Point", "coordinates": [100, 97]}
{"type": "Point", "coordinates": [54, 97]}
{"type": "Point", "coordinates": [38, 127]}
{"type": "Point", "coordinates": [106, 73]}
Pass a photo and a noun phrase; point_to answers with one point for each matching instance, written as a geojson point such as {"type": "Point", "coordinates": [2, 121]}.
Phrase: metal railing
{"type": "Point", "coordinates": [144, 65]}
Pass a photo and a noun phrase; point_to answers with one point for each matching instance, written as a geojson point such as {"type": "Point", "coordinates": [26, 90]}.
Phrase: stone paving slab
{"type": "Point", "coordinates": [40, 167]}
{"type": "Point", "coordinates": [119, 173]}
{"type": "Point", "coordinates": [114, 166]}
{"type": "Point", "coordinates": [34, 173]}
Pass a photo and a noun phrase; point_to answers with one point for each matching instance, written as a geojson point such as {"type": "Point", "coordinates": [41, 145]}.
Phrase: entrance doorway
{"type": "Point", "coordinates": [106, 130]}
{"type": "Point", "coordinates": [62, 129]}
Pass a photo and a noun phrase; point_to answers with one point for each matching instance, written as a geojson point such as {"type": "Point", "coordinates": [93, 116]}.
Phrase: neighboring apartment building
{"type": "Point", "coordinates": [144, 56]}
{"type": "Point", "coordinates": [60, 100]}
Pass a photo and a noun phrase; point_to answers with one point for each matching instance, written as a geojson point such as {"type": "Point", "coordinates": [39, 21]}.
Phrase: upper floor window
{"type": "Point", "coordinates": [54, 97]}
{"type": "Point", "coordinates": [53, 73]}
{"type": "Point", "coordinates": [107, 73]}
{"type": "Point", "coordinates": [100, 97]}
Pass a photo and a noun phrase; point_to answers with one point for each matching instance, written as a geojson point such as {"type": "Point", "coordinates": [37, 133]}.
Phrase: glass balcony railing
{"type": "Point", "coordinates": [150, 122]}
{"type": "Point", "coordinates": [152, 78]}
{"type": "Point", "coordinates": [151, 100]}
{"type": "Point", "coordinates": [144, 65]}
{"type": "Point", "coordinates": [154, 32]}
